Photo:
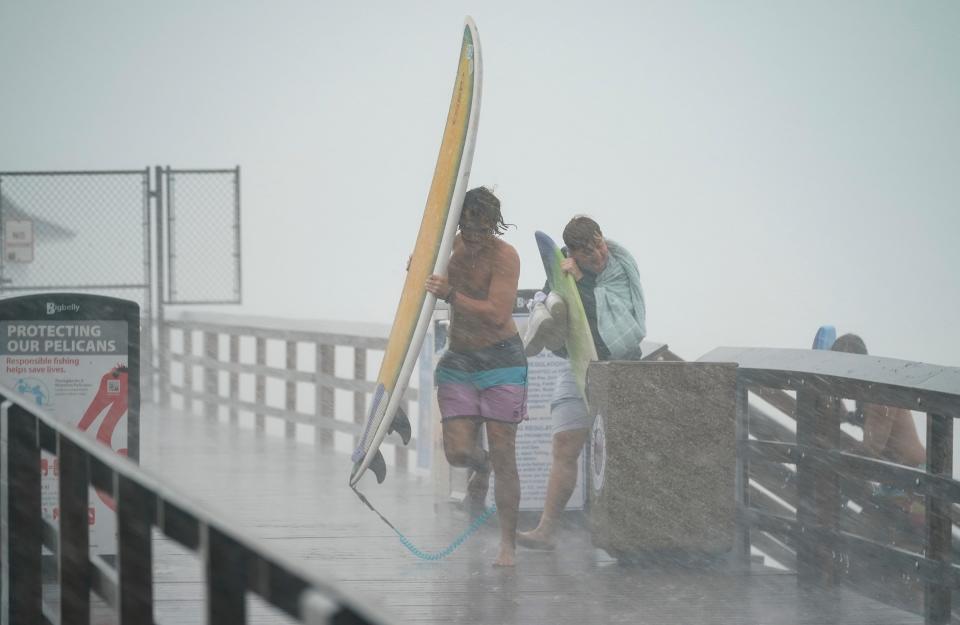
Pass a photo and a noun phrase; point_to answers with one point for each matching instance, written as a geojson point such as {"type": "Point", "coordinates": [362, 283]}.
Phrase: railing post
{"type": "Point", "coordinates": [291, 398]}
{"type": "Point", "coordinates": [134, 552]}
{"type": "Point", "coordinates": [937, 600]}
{"type": "Point", "coordinates": [187, 369]}
{"type": "Point", "coordinates": [211, 375]}
{"type": "Point", "coordinates": [234, 376]}
{"type": "Point", "coordinates": [359, 397]}
{"type": "Point", "coordinates": [260, 384]}
{"type": "Point", "coordinates": [147, 370]}
{"type": "Point", "coordinates": [163, 360]}
{"type": "Point", "coordinates": [817, 492]}
{"type": "Point", "coordinates": [741, 548]}
{"type": "Point", "coordinates": [74, 534]}
{"type": "Point", "coordinates": [325, 406]}
{"type": "Point", "coordinates": [226, 583]}
{"type": "Point", "coordinates": [20, 511]}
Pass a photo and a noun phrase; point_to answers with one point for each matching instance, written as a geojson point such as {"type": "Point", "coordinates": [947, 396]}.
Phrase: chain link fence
{"type": "Point", "coordinates": [82, 231]}
{"type": "Point", "coordinates": [168, 238]}
{"type": "Point", "coordinates": [203, 222]}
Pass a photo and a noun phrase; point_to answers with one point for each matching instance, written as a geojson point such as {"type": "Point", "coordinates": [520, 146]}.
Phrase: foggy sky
{"type": "Point", "coordinates": [773, 166]}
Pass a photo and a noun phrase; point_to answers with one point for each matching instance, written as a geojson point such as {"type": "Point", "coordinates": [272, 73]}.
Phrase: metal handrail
{"type": "Point", "coordinates": [234, 563]}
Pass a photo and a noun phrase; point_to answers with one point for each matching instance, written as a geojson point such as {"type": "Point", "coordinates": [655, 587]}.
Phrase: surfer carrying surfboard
{"type": "Point", "coordinates": [482, 378]}
{"type": "Point", "coordinates": [608, 283]}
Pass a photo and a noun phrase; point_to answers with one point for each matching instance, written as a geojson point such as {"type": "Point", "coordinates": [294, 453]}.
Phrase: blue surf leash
{"type": "Point", "coordinates": [437, 555]}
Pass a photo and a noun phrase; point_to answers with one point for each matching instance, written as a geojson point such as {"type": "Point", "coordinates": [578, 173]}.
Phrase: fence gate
{"type": "Point", "coordinates": [95, 232]}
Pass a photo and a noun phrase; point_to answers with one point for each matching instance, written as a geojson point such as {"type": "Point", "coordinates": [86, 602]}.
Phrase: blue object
{"type": "Point", "coordinates": [437, 555]}
{"type": "Point", "coordinates": [825, 337]}
{"type": "Point", "coordinates": [440, 555]}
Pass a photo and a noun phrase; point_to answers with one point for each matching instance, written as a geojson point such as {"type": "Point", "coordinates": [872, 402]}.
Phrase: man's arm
{"type": "Point", "coordinates": [878, 422]}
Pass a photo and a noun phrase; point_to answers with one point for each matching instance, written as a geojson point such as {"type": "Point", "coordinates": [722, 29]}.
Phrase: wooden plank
{"type": "Point", "coordinates": [290, 395]}
{"type": "Point", "coordinates": [74, 548]}
{"type": "Point", "coordinates": [937, 595]}
{"type": "Point", "coordinates": [21, 529]}
{"type": "Point", "coordinates": [134, 553]}
{"type": "Point", "coordinates": [295, 500]}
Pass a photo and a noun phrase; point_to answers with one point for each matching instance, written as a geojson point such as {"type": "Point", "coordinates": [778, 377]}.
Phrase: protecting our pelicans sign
{"type": "Point", "coordinates": [77, 358]}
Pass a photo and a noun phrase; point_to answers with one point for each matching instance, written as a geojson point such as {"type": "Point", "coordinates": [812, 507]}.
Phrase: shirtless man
{"type": "Point", "coordinates": [482, 378]}
{"type": "Point", "coordinates": [888, 433]}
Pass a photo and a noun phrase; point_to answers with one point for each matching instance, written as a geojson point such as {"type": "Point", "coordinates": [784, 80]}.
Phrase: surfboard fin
{"type": "Point", "coordinates": [379, 467]}
{"type": "Point", "coordinates": [401, 425]}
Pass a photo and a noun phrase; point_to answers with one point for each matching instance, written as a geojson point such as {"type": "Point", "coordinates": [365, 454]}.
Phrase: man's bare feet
{"type": "Point", "coordinates": [478, 482]}
{"type": "Point", "coordinates": [536, 539]}
{"type": "Point", "coordinates": [506, 557]}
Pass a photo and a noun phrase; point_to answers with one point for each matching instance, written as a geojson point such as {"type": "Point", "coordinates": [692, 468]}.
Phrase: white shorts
{"type": "Point", "coordinates": [568, 410]}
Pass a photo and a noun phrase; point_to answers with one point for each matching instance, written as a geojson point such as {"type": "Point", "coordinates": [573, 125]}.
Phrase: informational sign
{"type": "Point", "coordinates": [77, 358]}
{"type": "Point", "coordinates": [18, 241]}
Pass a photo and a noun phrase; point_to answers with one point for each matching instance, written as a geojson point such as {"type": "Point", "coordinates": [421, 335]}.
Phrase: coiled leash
{"type": "Point", "coordinates": [437, 555]}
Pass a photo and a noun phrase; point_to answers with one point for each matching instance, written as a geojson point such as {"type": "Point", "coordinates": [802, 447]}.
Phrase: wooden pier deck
{"type": "Point", "coordinates": [297, 501]}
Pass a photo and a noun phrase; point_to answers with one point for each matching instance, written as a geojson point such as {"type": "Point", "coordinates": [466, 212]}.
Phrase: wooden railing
{"type": "Point", "coordinates": [195, 348]}
{"type": "Point", "coordinates": [802, 497]}
{"type": "Point", "coordinates": [233, 564]}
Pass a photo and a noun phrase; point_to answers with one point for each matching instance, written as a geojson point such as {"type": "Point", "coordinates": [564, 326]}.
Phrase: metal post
{"type": "Point", "coordinates": [937, 600]}
{"type": "Point", "coordinates": [237, 239]}
{"type": "Point", "coordinates": [163, 333]}
{"type": "Point", "coordinates": [818, 493]}
{"type": "Point", "coordinates": [146, 336]}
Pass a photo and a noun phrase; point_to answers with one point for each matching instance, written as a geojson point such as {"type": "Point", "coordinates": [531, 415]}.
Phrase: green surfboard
{"type": "Point", "coordinates": [579, 340]}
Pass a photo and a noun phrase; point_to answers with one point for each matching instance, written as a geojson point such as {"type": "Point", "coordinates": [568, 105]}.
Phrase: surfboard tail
{"type": "Point", "coordinates": [378, 409]}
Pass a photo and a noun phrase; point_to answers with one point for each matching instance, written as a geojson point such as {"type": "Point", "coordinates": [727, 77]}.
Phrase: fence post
{"type": "Point", "coordinates": [187, 369]}
{"type": "Point", "coordinates": [234, 376]}
{"type": "Point", "coordinates": [359, 397]}
{"type": "Point", "coordinates": [260, 397]}
{"type": "Point", "coordinates": [291, 394]}
{"type": "Point", "coordinates": [326, 407]}
{"type": "Point", "coordinates": [20, 511]}
{"type": "Point", "coordinates": [937, 601]}
{"type": "Point", "coordinates": [163, 360]}
{"type": "Point", "coordinates": [211, 374]}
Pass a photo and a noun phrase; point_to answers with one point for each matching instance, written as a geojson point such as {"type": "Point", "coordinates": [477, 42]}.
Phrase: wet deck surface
{"type": "Point", "coordinates": [297, 500]}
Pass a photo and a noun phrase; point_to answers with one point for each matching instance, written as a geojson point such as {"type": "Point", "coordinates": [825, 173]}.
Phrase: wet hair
{"type": "Point", "coordinates": [581, 233]}
{"type": "Point", "coordinates": [480, 204]}
{"type": "Point", "coordinates": [850, 344]}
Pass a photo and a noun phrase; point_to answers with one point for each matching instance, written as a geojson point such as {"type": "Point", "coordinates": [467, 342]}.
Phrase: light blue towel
{"type": "Point", "coordinates": [621, 312]}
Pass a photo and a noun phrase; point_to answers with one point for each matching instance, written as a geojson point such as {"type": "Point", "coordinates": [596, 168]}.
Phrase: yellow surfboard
{"type": "Point", "coordinates": [431, 254]}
